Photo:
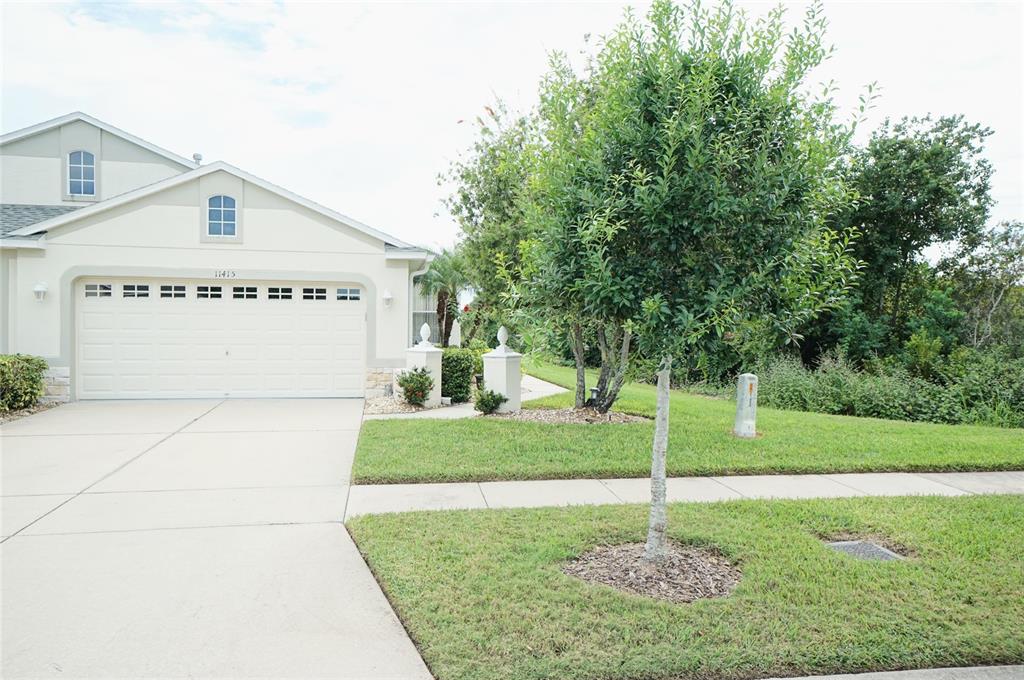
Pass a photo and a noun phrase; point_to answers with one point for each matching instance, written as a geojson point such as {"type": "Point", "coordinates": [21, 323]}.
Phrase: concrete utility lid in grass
{"type": "Point", "coordinates": [864, 550]}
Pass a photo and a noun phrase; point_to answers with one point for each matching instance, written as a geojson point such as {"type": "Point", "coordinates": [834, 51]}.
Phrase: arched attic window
{"type": "Point", "coordinates": [221, 217]}
{"type": "Point", "coordinates": [81, 174]}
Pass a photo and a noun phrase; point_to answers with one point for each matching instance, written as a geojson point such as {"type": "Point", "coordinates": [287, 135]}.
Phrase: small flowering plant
{"type": "Point", "coordinates": [416, 384]}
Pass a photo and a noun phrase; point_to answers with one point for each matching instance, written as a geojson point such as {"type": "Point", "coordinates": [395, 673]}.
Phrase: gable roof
{"type": "Point", "coordinates": [14, 216]}
{"type": "Point", "coordinates": [218, 166]}
{"type": "Point", "coordinates": [106, 127]}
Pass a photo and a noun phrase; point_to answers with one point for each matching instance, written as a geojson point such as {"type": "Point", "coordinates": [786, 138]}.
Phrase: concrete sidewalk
{"type": "Point", "coordinates": [382, 498]}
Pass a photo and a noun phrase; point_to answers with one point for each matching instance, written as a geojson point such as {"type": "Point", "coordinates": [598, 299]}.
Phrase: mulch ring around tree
{"type": "Point", "coordinates": [562, 416]}
{"type": "Point", "coordinates": [688, 573]}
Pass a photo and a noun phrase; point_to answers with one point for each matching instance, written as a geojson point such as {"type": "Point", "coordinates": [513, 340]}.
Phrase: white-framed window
{"type": "Point", "coordinates": [81, 174]}
{"type": "Point", "coordinates": [314, 293]}
{"type": "Point", "coordinates": [97, 290]}
{"type": "Point", "coordinates": [349, 293]}
{"type": "Point", "coordinates": [135, 290]}
{"type": "Point", "coordinates": [208, 292]}
{"type": "Point", "coordinates": [244, 292]}
{"type": "Point", "coordinates": [173, 290]}
{"type": "Point", "coordinates": [276, 293]}
{"type": "Point", "coordinates": [221, 216]}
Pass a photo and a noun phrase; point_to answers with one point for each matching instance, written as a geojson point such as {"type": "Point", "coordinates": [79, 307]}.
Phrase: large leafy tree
{"type": "Point", "coordinates": [922, 183]}
{"type": "Point", "coordinates": [487, 182]}
{"type": "Point", "coordinates": [695, 184]}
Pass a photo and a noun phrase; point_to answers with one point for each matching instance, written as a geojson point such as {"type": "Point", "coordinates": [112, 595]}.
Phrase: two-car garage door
{"type": "Point", "coordinates": [160, 338]}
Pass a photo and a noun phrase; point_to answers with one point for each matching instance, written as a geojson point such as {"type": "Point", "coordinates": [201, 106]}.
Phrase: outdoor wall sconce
{"type": "Point", "coordinates": [40, 292]}
{"type": "Point", "coordinates": [387, 297]}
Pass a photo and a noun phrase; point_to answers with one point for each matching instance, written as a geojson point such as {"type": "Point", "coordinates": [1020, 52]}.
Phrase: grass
{"type": "Point", "coordinates": [700, 443]}
{"type": "Point", "coordinates": [482, 595]}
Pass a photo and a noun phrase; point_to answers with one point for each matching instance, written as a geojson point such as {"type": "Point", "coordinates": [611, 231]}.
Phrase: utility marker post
{"type": "Point", "coordinates": [746, 407]}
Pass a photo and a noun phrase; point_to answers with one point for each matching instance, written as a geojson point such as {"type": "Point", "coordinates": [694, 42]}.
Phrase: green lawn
{"type": "Point", "coordinates": [700, 443]}
{"type": "Point", "coordinates": [482, 595]}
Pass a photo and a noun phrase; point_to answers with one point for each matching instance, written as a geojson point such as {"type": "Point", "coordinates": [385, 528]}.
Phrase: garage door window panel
{"type": "Point", "coordinates": [209, 292]}
{"type": "Point", "coordinates": [243, 292]}
{"type": "Point", "coordinates": [97, 290]}
{"type": "Point", "coordinates": [349, 294]}
{"type": "Point", "coordinates": [275, 293]}
{"type": "Point", "coordinates": [135, 290]}
{"type": "Point", "coordinates": [314, 293]}
{"type": "Point", "coordinates": [172, 291]}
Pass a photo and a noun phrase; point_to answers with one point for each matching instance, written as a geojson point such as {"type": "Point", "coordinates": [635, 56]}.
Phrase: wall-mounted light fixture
{"type": "Point", "coordinates": [387, 297]}
{"type": "Point", "coordinates": [40, 291]}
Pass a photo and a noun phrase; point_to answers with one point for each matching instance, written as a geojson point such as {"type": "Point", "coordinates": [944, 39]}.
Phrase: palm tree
{"type": "Point", "coordinates": [445, 278]}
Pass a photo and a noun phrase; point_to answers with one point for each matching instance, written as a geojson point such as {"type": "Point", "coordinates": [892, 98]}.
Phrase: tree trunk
{"type": "Point", "coordinates": [611, 393]}
{"type": "Point", "coordinates": [607, 360]}
{"type": "Point", "coordinates": [581, 373]}
{"type": "Point", "coordinates": [658, 520]}
{"type": "Point", "coordinates": [442, 316]}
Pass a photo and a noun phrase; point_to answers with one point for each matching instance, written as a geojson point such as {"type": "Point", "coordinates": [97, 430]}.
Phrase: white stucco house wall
{"type": "Point", "coordinates": [137, 273]}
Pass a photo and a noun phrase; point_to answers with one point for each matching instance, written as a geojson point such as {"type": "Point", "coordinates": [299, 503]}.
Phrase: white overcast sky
{"type": "Point", "coordinates": [358, 106]}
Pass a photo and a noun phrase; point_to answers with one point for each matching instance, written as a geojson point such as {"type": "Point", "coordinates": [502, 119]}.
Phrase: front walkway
{"type": "Point", "coordinates": [189, 538]}
{"type": "Point", "coordinates": [381, 498]}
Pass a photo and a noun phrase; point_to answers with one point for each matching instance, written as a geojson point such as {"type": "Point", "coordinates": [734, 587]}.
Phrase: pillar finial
{"type": "Point", "coordinates": [424, 334]}
{"type": "Point", "coordinates": [502, 338]}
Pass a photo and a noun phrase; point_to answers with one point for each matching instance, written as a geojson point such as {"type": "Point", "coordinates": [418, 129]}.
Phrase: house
{"type": "Point", "coordinates": [137, 273]}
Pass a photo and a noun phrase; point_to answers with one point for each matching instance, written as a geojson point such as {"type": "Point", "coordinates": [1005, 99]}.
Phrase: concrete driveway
{"type": "Point", "coordinates": [193, 538]}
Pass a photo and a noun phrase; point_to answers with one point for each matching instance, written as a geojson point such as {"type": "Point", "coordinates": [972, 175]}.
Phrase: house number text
{"type": "Point", "coordinates": [224, 274]}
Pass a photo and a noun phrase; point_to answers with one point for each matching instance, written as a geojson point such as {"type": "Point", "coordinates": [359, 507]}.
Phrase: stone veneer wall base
{"type": "Point", "coordinates": [58, 384]}
{"type": "Point", "coordinates": [379, 382]}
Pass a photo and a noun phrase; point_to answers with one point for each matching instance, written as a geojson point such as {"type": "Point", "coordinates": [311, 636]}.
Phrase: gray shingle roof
{"type": "Point", "coordinates": [15, 216]}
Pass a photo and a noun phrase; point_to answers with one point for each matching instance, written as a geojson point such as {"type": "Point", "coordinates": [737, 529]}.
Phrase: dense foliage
{"type": "Point", "coordinates": [416, 384]}
{"type": "Point", "coordinates": [982, 387]}
{"type": "Point", "coordinates": [457, 369]}
{"type": "Point", "coordinates": [21, 381]}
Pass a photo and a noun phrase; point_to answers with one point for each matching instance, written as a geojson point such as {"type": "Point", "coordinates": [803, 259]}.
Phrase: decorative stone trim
{"type": "Point", "coordinates": [58, 384]}
{"type": "Point", "coordinates": [379, 382]}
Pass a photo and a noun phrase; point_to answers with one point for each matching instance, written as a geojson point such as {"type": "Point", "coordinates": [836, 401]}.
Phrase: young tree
{"type": "Point", "coordinates": [695, 182]}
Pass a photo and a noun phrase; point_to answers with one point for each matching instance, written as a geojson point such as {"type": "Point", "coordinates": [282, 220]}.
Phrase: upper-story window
{"type": "Point", "coordinates": [220, 216]}
{"type": "Point", "coordinates": [81, 174]}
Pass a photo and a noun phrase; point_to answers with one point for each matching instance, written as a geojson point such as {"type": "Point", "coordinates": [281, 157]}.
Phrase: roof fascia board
{"type": "Point", "coordinates": [23, 243]}
{"type": "Point", "coordinates": [79, 116]}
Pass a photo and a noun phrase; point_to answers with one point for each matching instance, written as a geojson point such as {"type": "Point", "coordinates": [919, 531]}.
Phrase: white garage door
{"type": "Point", "coordinates": [158, 338]}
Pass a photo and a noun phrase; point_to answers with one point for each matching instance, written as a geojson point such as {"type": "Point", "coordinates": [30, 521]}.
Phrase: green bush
{"type": "Point", "coordinates": [457, 368]}
{"type": "Point", "coordinates": [416, 384]}
{"type": "Point", "coordinates": [488, 402]}
{"type": "Point", "coordinates": [983, 387]}
{"type": "Point", "coordinates": [21, 381]}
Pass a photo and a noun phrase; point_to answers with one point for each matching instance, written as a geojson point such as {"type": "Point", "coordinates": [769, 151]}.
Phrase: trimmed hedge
{"type": "Point", "coordinates": [21, 381]}
{"type": "Point", "coordinates": [457, 368]}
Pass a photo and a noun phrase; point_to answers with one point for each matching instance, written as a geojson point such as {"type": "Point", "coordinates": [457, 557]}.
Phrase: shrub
{"type": "Point", "coordinates": [21, 381]}
{"type": "Point", "coordinates": [488, 402]}
{"type": "Point", "coordinates": [983, 387]}
{"type": "Point", "coordinates": [416, 384]}
{"type": "Point", "coordinates": [457, 368]}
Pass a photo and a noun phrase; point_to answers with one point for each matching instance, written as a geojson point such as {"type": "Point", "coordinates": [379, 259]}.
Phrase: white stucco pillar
{"type": "Point", "coordinates": [503, 373]}
{"type": "Point", "coordinates": [746, 406]}
{"type": "Point", "coordinates": [424, 353]}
